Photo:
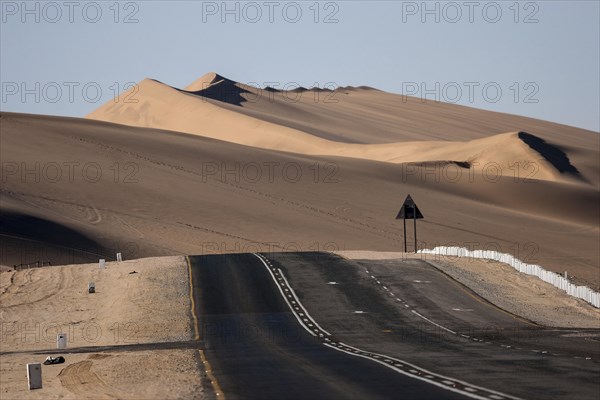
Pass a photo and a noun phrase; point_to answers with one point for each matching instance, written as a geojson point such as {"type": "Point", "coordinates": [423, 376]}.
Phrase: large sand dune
{"type": "Point", "coordinates": [358, 123]}
{"type": "Point", "coordinates": [165, 193]}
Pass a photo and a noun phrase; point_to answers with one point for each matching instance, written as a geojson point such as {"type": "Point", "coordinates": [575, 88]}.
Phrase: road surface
{"type": "Point", "coordinates": [264, 339]}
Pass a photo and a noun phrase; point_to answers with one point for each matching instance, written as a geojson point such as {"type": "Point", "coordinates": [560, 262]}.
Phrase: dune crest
{"type": "Point", "coordinates": [205, 81]}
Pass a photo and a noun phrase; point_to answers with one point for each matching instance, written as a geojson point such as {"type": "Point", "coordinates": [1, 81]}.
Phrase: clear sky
{"type": "Point", "coordinates": [532, 58]}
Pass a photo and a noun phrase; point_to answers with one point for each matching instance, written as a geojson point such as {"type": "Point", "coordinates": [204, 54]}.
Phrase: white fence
{"type": "Point", "coordinates": [582, 292]}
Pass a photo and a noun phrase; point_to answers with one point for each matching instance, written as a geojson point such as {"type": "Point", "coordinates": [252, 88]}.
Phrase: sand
{"type": "Point", "coordinates": [266, 174]}
{"type": "Point", "coordinates": [150, 306]}
{"type": "Point", "coordinates": [520, 294]}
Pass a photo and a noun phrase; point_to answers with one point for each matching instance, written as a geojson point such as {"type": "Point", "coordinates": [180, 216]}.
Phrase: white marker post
{"type": "Point", "coordinates": [34, 376]}
{"type": "Point", "coordinates": [102, 263]}
{"type": "Point", "coordinates": [61, 341]}
{"type": "Point", "coordinates": [119, 257]}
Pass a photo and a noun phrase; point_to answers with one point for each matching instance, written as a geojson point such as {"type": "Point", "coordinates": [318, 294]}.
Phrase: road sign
{"type": "Point", "coordinates": [410, 210]}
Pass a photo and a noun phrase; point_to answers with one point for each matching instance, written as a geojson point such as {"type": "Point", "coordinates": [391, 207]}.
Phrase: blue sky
{"type": "Point", "coordinates": [538, 59]}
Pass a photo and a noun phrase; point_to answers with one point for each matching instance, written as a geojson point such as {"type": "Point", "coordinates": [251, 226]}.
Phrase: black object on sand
{"type": "Point", "coordinates": [54, 360]}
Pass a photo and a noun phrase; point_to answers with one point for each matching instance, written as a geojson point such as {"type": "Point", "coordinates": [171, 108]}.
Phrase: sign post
{"type": "Point", "coordinates": [410, 210]}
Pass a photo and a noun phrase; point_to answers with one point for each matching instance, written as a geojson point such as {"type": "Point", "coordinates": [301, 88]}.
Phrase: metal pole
{"type": "Point", "coordinates": [404, 220]}
{"type": "Point", "coordinates": [415, 224]}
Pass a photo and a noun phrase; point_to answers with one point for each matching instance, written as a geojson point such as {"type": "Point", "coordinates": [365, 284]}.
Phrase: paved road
{"type": "Point", "coordinates": [412, 311]}
{"type": "Point", "coordinates": [261, 343]}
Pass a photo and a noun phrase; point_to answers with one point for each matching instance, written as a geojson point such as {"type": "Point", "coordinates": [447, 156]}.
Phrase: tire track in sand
{"type": "Point", "coordinates": [79, 379]}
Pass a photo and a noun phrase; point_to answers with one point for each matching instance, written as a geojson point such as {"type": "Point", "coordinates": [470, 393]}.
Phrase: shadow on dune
{"type": "Point", "coordinates": [227, 91]}
{"type": "Point", "coordinates": [441, 164]}
{"type": "Point", "coordinates": [553, 154]}
{"type": "Point", "coordinates": [28, 240]}
{"type": "Point", "coordinates": [224, 90]}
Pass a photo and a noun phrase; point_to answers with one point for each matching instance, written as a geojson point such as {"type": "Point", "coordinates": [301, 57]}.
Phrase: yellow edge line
{"type": "Point", "coordinates": [193, 304]}
{"type": "Point", "coordinates": [206, 364]}
{"type": "Point", "coordinates": [209, 374]}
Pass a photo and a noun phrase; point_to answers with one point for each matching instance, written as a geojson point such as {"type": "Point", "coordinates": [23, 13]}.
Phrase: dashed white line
{"type": "Point", "coordinates": [413, 369]}
{"type": "Point", "coordinates": [300, 304]}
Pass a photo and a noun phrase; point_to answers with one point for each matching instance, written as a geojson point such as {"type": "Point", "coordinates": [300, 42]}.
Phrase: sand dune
{"type": "Point", "coordinates": [167, 193]}
{"type": "Point", "coordinates": [214, 106]}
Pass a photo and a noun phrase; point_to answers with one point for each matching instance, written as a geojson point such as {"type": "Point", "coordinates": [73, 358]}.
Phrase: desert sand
{"type": "Point", "coordinates": [223, 167]}
{"type": "Point", "coordinates": [127, 311]}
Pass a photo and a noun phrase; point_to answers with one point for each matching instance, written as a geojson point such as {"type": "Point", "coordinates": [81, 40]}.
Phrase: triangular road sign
{"type": "Point", "coordinates": [408, 209]}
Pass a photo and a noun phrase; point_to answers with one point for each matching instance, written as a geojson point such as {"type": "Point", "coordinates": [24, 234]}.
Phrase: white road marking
{"type": "Point", "coordinates": [431, 322]}
{"type": "Point", "coordinates": [301, 306]}
{"type": "Point", "coordinates": [413, 373]}
{"type": "Point", "coordinates": [283, 295]}
{"type": "Point", "coordinates": [296, 301]}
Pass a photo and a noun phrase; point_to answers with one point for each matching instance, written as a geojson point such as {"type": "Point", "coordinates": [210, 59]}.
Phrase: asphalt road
{"type": "Point", "coordinates": [260, 342]}
{"type": "Point", "coordinates": [412, 311]}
